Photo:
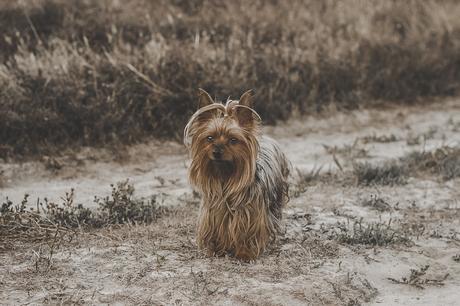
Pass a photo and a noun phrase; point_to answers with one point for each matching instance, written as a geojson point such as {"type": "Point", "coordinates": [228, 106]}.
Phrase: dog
{"type": "Point", "coordinates": [240, 174]}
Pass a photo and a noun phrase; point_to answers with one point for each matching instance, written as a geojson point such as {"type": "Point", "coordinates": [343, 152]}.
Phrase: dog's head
{"type": "Point", "coordinates": [222, 140]}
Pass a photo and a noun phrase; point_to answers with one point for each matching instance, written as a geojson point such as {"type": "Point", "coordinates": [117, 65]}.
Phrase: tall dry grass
{"type": "Point", "coordinates": [95, 72]}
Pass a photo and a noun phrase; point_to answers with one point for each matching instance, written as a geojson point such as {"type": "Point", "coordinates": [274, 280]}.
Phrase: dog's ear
{"type": "Point", "coordinates": [206, 109]}
{"type": "Point", "coordinates": [246, 98]}
{"type": "Point", "coordinates": [244, 113]}
{"type": "Point", "coordinates": [204, 98]}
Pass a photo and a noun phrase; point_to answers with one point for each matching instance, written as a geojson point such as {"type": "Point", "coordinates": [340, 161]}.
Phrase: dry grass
{"type": "Point", "coordinates": [443, 162]}
{"type": "Point", "coordinates": [19, 223]}
{"type": "Point", "coordinates": [418, 279]}
{"type": "Point", "coordinates": [349, 152]}
{"type": "Point", "coordinates": [160, 262]}
{"type": "Point", "coordinates": [96, 72]}
{"type": "Point", "coordinates": [305, 179]}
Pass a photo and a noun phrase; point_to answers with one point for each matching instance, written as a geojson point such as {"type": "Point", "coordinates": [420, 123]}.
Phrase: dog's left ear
{"type": "Point", "coordinates": [246, 98]}
{"type": "Point", "coordinates": [244, 114]}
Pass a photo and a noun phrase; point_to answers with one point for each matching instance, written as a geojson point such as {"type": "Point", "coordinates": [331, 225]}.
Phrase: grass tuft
{"type": "Point", "coordinates": [389, 173]}
{"type": "Point", "coordinates": [379, 138]}
{"type": "Point", "coordinates": [444, 161]}
{"type": "Point", "coordinates": [380, 233]}
{"type": "Point", "coordinates": [377, 203]}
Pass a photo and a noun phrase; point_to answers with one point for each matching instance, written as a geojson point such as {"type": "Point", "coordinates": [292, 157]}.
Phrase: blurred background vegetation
{"type": "Point", "coordinates": [90, 73]}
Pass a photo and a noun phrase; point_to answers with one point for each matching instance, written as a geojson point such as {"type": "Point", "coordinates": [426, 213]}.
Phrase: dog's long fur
{"type": "Point", "coordinates": [243, 195]}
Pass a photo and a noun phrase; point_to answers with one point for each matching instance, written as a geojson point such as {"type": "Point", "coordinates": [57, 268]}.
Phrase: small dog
{"type": "Point", "coordinates": [241, 176]}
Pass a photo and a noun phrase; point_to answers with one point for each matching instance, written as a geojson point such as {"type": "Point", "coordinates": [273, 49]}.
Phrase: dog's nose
{"type": "Point", "coordinates": [217, 152]}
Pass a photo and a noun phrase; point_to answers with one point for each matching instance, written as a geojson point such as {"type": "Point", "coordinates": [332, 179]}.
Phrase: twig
{"type": "Point", "coordinates": [34, 30]}
{"type": "Point", "coordinates": [160, 90]}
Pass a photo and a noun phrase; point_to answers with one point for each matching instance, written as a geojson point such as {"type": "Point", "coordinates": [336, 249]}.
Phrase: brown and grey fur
{"type": "Point", "coordinates": [244, 193]}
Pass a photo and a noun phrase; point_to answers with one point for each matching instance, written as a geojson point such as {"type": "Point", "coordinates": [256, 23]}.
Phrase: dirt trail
{"type": "Point", "coordinates": [162, 167]}
{"type": "Point", "coordinates": [159, 264]}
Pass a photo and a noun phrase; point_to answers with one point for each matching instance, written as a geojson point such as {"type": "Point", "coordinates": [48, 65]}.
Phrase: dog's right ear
{"type": "Point", "coordinates": [204, 98]}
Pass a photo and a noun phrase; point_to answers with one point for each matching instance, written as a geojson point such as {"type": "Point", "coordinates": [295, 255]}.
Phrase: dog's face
{"type": "Point", "coordinates": [223, 139]}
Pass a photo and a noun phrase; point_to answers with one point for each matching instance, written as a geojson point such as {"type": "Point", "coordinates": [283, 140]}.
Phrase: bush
{"type": "Point", "coordinates": [40, 222]}
{"type": "Point", "coordinates": [122, 208]}
{"type": "Point", "coordinates": [94, 72]}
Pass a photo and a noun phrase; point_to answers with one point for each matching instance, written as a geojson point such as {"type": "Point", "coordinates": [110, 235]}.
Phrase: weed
{"type": "Point", "coordinates": [389, 173]}
{"type": "Point", "coordinates": [444, 161]}
{"type": "Point", "coordinates": [379, 138]}
{"type": "Point", "coordinates": [305, 178]}
{"type": "Point", "coordinates": [418, 279]}
{"type": "Point", "coordinates": [380, 233]}
{"type": "Point", "coordinates": [122, 208]}
{"type": "Point", "coordinates": [377, 203]}
{"type": "Point", "coordinates": [309, 178]}
{"type": "Point", "coordinates": [17, 222]}
{"type": "Point", "coordinates": [51, 163]}
{"type": "Point", "coordinates": [67, 214]}
{"type": "Point", "coordinates": [43, 255]}
{"type": "Point", "coordinates": [351, 152]}
{"type": "Point", "coordinates": [413, 140]}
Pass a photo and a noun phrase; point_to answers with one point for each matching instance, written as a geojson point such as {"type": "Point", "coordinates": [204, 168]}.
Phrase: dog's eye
{"type": "Point", "coordinates": [233, 141]}
{"type": "Point", "coordinates": [210, 138]}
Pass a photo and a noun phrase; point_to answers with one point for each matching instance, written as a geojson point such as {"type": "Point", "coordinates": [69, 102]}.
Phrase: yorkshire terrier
{"type": "Point", "coordinates": [241, 175]}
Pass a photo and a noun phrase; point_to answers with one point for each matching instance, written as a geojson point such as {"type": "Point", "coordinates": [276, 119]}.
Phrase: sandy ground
{"type": "Point", "coordinates": [159, 264]}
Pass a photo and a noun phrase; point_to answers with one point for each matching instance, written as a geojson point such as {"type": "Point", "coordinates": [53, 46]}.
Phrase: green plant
{"type": "Point", "coordinates": [122, 208]}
